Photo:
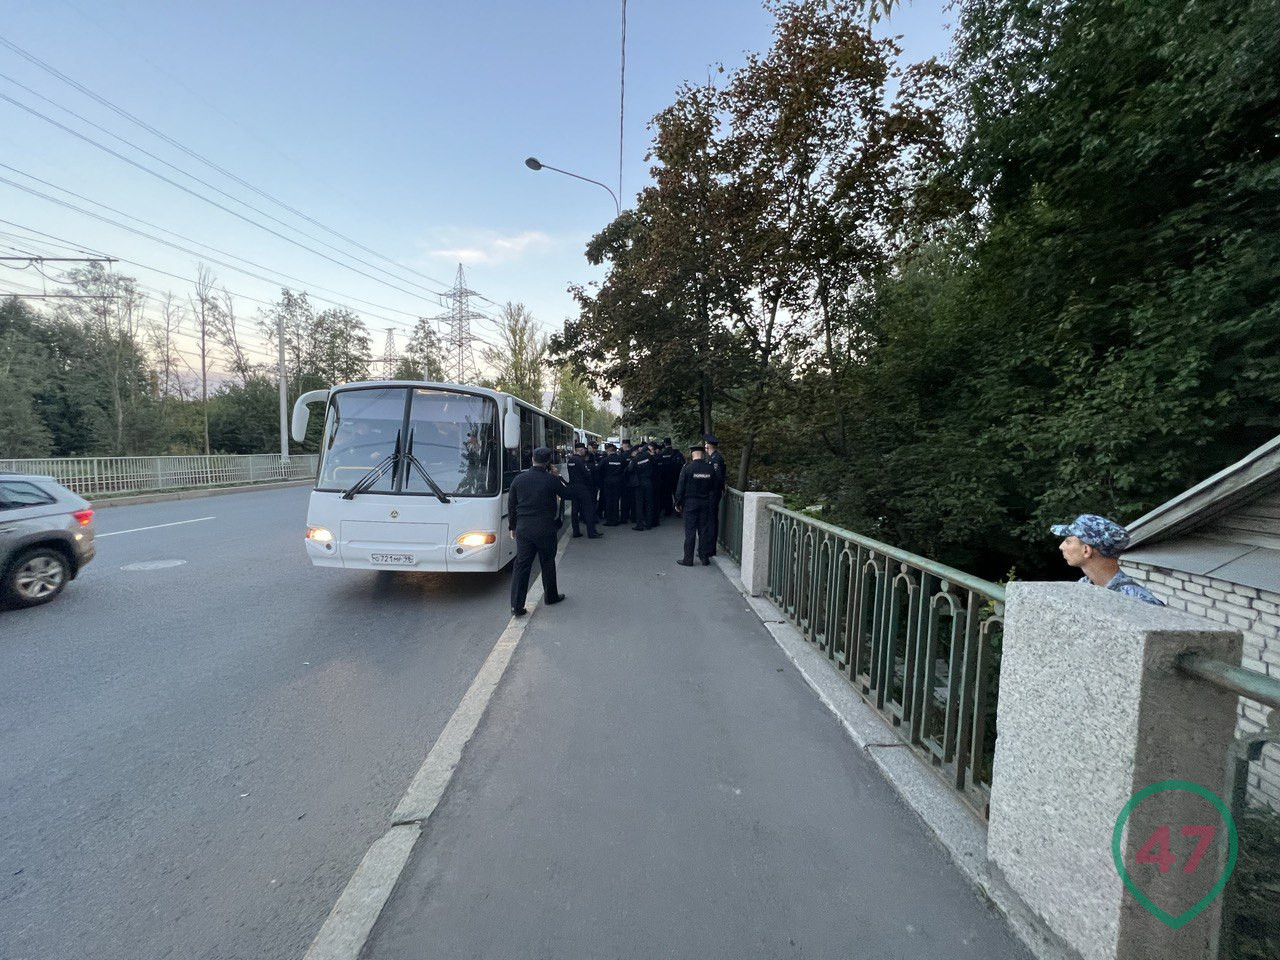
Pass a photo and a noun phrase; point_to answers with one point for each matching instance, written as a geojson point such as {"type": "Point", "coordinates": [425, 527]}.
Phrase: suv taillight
{"type": "Point", "coordinates": [84, 516]}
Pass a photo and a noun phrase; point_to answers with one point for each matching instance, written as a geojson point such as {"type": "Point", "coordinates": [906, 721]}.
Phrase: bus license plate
{"type": "Point", "coordinates": [393, 559]}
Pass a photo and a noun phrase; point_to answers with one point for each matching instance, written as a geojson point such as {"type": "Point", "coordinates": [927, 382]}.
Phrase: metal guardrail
{"type": "Point", "coordinates": [1240, 680]}
{"type": "Point", "coordinates": [1249, 926]}
{"type": "Point", "coordinates": [730, 529]}
{"type": "Point", "coordinates": [919, 640]}
{"type": "Point", "coordinates": [115, 476]}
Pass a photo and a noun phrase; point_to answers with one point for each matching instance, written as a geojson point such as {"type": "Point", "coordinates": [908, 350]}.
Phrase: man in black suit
{"type": "Point", "coordinates": [531, 518]}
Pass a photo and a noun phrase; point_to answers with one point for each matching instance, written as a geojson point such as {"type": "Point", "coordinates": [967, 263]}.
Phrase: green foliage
{"type": "Point", "coordinates": [519, 362]}
{"type": "Point", "coordinates": [573, 400]}
{"type": "Point", "coordinates": [245, 417]}
{"type": "Point", "coordinates": [1254, 888]}
{"type": "Point", "coordinates": [100, 375]}
{"type": "Point", "coordinates": [1065, 304]}
{"type": "Point", "coordinates": [24, 364]}
{"type": "Point", "coordinates": [424, 356]}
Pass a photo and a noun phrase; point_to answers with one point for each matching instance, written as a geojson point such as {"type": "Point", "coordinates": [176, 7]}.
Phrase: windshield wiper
{"type": "Point", "coordinates": [417, 465]}
{"type": "Point", "coordinates": [376, 474]}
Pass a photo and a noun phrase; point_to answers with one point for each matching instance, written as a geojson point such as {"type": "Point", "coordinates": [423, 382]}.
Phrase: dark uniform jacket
{"type": "Point", "coordinates": [717, 464]}
{"type": "Point", "coordinates": [613, 468]}
{"type": "Point", "coordinates": [532, 511]}
{"type": "Point", "coordinates": [642, 467]}
{"type": "Point", "coordinates": [582, 473]}
{"type": "Point", "coordinates": [697, 481]}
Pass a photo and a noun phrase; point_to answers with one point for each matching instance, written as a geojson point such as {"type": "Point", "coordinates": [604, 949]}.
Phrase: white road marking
{"type": "Point", "coordinates": [352, 918]}
{"type": "Point", "coordinates": [176, 523]}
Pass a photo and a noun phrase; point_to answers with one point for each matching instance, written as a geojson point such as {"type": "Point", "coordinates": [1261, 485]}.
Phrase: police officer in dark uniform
{"type": "Point", "coordinates": [716, 460]}
{"type": "Point", "coordinates": [613, 471]}
{"type": "Point", "coordinates": [655, 485]}
{"type": "Point", "coordinates": [582, 491]}
{"type": "Point", "coordinates": [595, 457]}
{"type": "Point", "coordinates": [668, 472]}
{"type": "Point", "coordinates": [627, 498]}
{"type": "Point", "coordinates": [641, 482]}
{"type": "Point", "coordinates": [693, 499]}
{"type": "Point", "coordinates": [531, 519]}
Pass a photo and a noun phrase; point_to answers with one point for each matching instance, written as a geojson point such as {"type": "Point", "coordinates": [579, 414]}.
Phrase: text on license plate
{"type": "Point", "coordinates": [402, 559]}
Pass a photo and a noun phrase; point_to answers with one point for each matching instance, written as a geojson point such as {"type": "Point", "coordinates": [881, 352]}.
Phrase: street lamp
{"type": "Point", "coordinates": [534, 164]}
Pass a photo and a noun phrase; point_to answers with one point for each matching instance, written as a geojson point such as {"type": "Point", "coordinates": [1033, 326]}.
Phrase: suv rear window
{"type": "Point", "coordinates": [16, 493]}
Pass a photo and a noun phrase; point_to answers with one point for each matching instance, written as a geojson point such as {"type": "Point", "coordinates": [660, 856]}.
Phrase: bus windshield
{"type": "Point", "coordinates": [452, 436]}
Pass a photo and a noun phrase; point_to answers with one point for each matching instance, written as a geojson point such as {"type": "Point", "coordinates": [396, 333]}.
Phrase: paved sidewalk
{"type": "Point", "coordinates": [654, 779]}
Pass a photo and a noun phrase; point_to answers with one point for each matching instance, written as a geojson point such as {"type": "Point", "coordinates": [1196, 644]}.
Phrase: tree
{"type": "Point", "coordinates": [107, 363]}
{"type": "Point", "coordinates": [519, 363]}
{"type": "Point", "coordinates": [226, 331]}
{"type": "Point", "coordinates": [244, 416]}
{"type": "Point", "coordinates": [321, 349]}
{"type": "Point", "coordinates": [572, 400]}
{"type": "Point", "coordinates": [204, 309]}
{"type": "Point", "coordinates": [24, 365]}
{"type": "Point", "coordinates": [424, 356]}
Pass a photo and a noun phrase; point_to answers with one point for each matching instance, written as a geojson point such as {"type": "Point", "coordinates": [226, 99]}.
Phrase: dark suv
{"type": "Point", "coordinates": [46, 537]}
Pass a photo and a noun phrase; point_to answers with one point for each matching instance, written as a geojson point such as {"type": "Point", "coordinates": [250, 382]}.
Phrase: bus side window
{"type": "Point", "coordinates": [510, 467]}
{"type": "Point", "coordinates": [526, 439]}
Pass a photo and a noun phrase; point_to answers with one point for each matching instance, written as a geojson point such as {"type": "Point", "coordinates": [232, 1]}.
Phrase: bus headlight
{"type": "Point", "coordinates": [319, 535]}
{"type": "Point", "coordinates": [476, 539]}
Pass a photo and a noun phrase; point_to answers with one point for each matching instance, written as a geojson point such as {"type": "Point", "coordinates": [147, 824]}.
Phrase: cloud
{"type": "Point", "coordinates": [490, 248]}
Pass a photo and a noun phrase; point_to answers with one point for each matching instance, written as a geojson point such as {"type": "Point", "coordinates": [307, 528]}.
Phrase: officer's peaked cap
{"type": "Point", "coordinates": [710, 438]}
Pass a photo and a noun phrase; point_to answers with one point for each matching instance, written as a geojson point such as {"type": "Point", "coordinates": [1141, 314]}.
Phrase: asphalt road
{"type": "Point", "coordinates": [194, 757]}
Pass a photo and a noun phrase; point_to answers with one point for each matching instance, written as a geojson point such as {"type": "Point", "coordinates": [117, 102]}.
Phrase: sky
{"type": "Point", "coordinates": [400, 126]}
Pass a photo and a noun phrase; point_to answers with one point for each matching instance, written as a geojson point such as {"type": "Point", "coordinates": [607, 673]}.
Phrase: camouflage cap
{"type": "Point", "coordinates": [1106, 536]}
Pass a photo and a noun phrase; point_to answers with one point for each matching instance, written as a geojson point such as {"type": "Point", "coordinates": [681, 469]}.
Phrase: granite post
{"type": "Point", "coordinates": [1092, 710]}
{"type": "Point", "coordinates": [755, 540]}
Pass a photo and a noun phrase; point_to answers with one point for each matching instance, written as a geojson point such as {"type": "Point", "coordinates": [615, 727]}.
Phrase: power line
{"type": "Point", "coordinates": [179, 247]}
{"type": "Point", "coordinates": [171, 166]}
{"type": "Point", "coordinates": [31, 58]}
{"type": "Point", "coordinates": [172, 233]}
{"type": "Point", "coordinates": [200, 196]}
{"type": "Point", "coordinates": [184, 279]}
{"type": "Point", "coordinates": [65, 246]}
{"type": "Point", "coordinates": [256, 135]}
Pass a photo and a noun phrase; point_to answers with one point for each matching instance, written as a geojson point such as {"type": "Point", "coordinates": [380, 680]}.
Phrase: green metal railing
{"type": "Point", "coordinates": [1250, 925]}
{"type": "Point", "coordinates": [730, 535]}
{"type": "Point", "coordinates": [920, 641]}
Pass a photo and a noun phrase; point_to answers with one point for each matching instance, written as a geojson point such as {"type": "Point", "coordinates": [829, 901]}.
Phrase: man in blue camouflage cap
{"type": "Point", "coordinates": [1093, 543]}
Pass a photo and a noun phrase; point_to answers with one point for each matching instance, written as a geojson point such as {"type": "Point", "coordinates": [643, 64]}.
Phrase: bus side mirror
{"type": "Point", "coordinates": [298, 426]}
{"type": "Point", "coordinates": [511, 430]}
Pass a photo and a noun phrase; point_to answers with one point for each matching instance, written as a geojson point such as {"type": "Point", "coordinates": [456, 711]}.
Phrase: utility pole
{"type": "Point", "coordinates": [459, 361]}
{"type": "Point", "coordinates": [284, 394]}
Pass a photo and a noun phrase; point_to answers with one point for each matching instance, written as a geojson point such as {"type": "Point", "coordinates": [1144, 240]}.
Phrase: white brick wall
{"type": "Point", "coordinates": [1256, 613]}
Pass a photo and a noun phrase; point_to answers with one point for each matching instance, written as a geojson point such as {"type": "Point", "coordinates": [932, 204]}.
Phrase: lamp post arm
{"type": "Point", "coordinates": [617, 206]}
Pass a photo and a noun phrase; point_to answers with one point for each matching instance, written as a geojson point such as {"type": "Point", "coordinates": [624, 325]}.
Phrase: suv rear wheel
{"type": "Point", "coordinates": [36, 576]}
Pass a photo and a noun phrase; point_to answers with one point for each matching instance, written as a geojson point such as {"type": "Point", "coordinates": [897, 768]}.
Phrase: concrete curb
{"type": "Point", "coordinates": [347, 928]}
{"type": "Point", "coordinates": [194, 494]}
{"type": "Point", "coordinates": [954, 826]}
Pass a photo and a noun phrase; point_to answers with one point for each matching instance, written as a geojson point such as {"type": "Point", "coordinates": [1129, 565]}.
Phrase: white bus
{"type": "Point", "coordinates": [586, 436]}
{"type": "Point", "coordinates": [413, 476]}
